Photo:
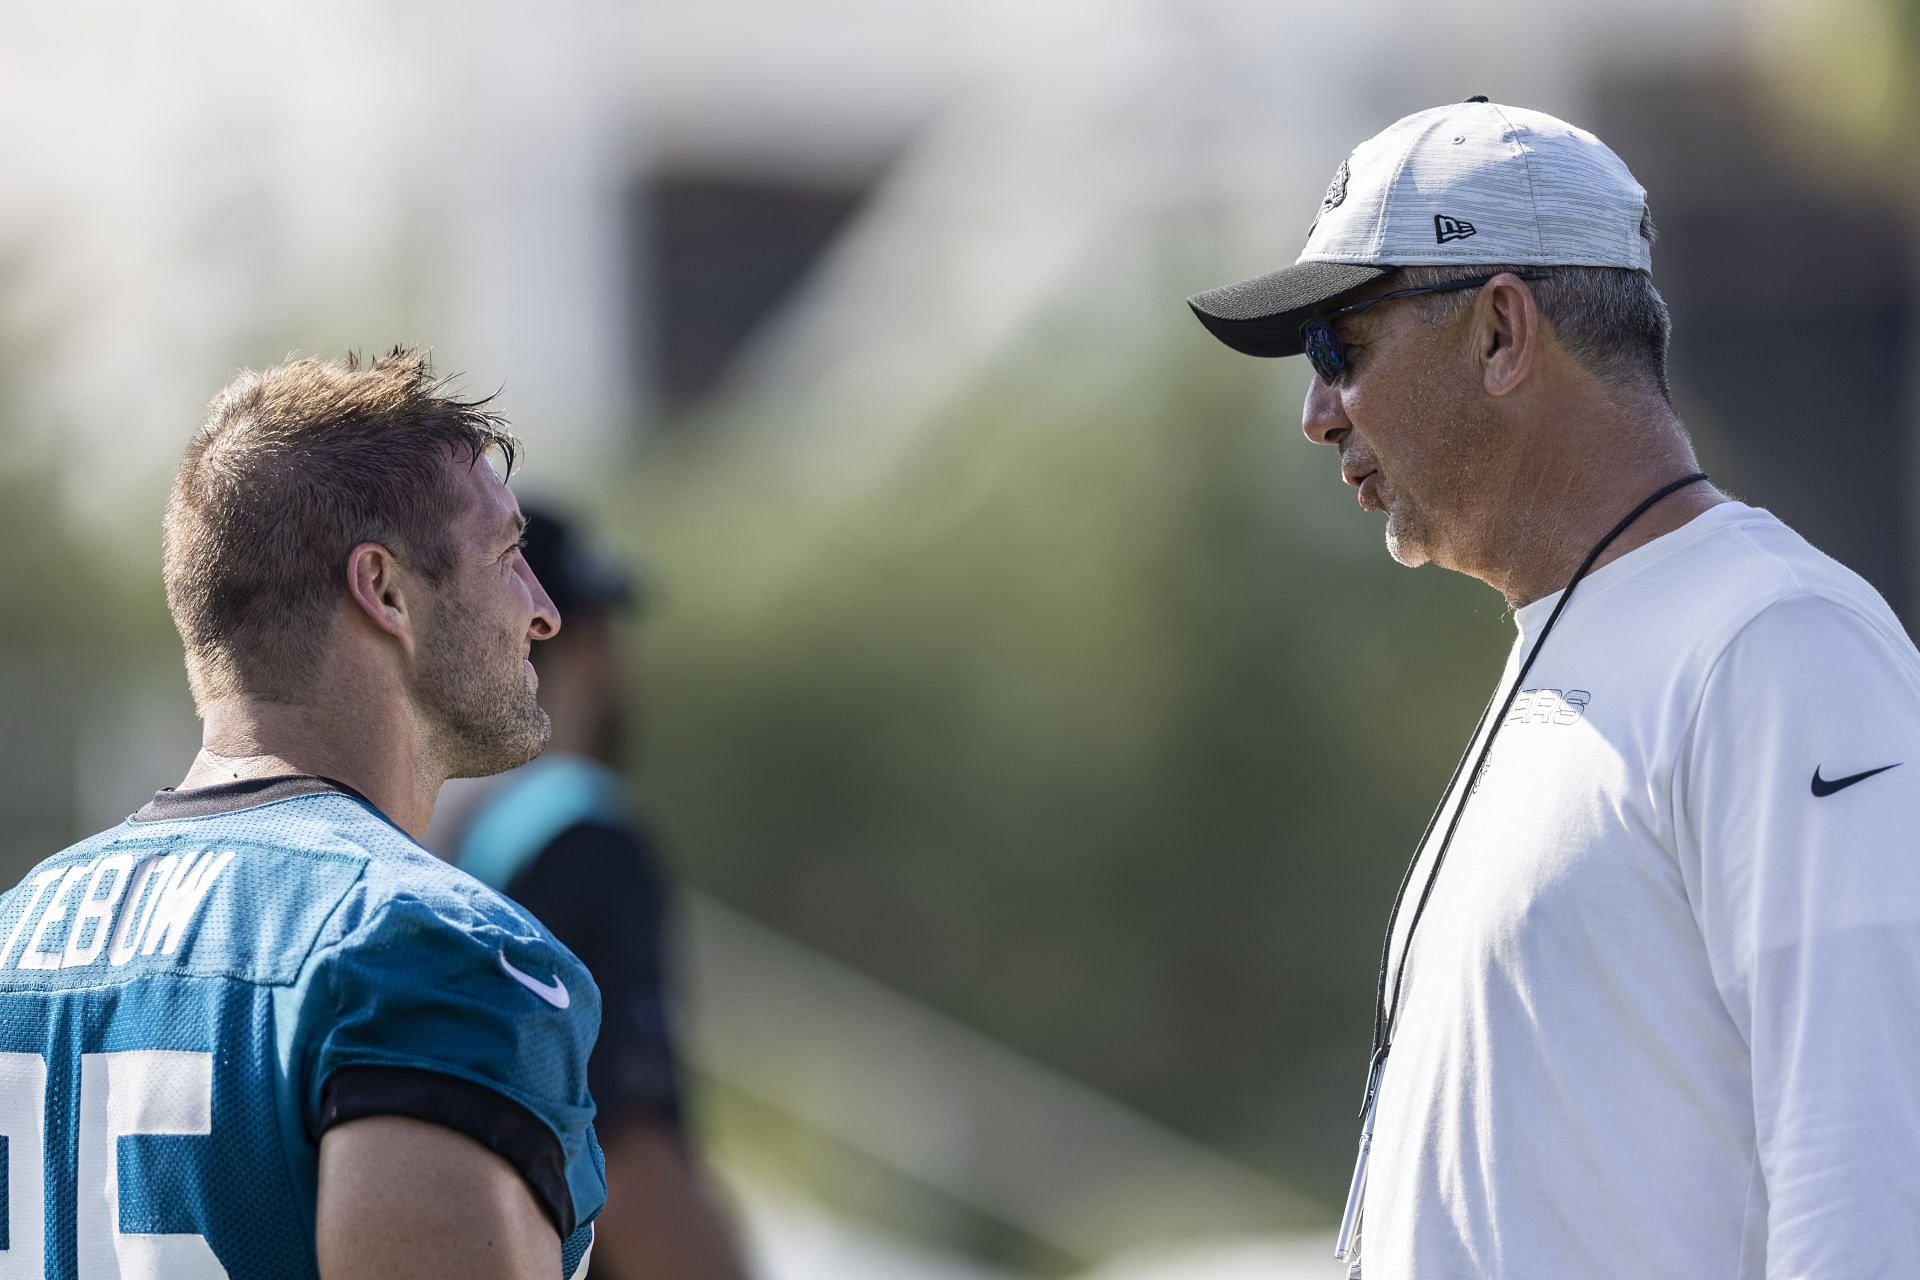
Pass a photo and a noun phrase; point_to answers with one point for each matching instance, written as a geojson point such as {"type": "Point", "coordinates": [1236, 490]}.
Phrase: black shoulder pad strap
{"type": "Point", "coordinates": [491, 1119]}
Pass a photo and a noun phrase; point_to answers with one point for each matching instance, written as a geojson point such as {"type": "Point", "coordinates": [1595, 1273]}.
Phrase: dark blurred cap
{"type": "Point", "coordinates": [579, 577]}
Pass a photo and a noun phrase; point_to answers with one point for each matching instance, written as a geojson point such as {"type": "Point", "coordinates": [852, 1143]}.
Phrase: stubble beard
{"type": "Point", "coordinates": [472, 687]}
{"type": "Point", "coordinates": [1407, 535]}
{"type": "Point", "coordinates": [1451, 477]}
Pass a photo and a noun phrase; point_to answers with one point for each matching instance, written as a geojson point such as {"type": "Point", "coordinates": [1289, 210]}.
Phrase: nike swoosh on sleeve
{"type": "Point", "coordinates": [1824, 787]}
{"type": "Point", "coordinates": [554, 992]}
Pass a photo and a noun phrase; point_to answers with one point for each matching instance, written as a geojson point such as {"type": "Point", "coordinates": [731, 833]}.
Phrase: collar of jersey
{"type": "Point", "coordinates": [173, 804]}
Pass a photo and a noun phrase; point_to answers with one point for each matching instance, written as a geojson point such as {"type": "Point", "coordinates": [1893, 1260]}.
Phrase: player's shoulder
{"type": "Point", "coordinates": [1745, 570]}
{"type": "Point", "coordinates": [400, 871]}
{"type": "Point", "coordinates": [237, 881]}
{"type": "Point", "coordinates": [411, 909]}
{"type": "Point", "coordinates": [253, 880]}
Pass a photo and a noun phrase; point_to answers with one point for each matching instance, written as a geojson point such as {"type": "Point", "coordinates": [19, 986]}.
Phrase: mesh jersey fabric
{"type": "Point", "coordinates": [178, 995]}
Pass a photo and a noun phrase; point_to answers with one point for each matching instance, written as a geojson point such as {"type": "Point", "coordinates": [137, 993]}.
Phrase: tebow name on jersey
{"type": "Point", "coordinates": [114, 907]}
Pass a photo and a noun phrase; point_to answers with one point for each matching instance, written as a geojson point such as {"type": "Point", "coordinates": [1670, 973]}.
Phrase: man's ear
{"type": "Point", "coordinates": [377, 585]}
{"type": "Point", "coordinates": [1508, 331]}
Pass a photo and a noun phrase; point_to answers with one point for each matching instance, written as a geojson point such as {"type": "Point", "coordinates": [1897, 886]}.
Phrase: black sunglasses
{"type": "Point", "coordinates": [1329, 358]}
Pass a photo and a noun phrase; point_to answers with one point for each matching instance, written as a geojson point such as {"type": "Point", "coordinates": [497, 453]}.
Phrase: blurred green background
{"type": "Point", "coordinates": [1017, 682]}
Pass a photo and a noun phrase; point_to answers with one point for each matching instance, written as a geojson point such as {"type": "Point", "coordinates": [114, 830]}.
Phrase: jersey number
{"type": "Point", "coordinates": [137, 1091]}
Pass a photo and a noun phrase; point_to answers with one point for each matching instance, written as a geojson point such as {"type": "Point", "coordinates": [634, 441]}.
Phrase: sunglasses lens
{"type": "Point", "coordinates": [1323, 349]}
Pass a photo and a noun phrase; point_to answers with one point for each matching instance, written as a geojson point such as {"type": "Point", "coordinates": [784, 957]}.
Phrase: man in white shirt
{"type": "Point", "coordinates": [1650, 1002]}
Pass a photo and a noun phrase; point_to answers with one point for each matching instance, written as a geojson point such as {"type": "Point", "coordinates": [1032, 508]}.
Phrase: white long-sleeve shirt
{"type": "Point", "coordinates": [1662, 1014]}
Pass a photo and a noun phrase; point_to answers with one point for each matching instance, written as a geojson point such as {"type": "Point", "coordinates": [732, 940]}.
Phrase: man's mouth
{"type": "Point", "coordinates": [1368, 486]}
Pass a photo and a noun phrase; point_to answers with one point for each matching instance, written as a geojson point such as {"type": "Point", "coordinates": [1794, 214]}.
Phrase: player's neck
{"type": "Point", "coordinates": [385, 762]}
{"type": "Point", "coordinates": [1569, 494]}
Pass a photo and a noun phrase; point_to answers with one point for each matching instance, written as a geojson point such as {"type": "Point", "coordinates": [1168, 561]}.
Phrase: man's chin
{"type": "Point", "coordinates": [1404, 545]}
{"type": "Point", "coordinates": [506, 750]}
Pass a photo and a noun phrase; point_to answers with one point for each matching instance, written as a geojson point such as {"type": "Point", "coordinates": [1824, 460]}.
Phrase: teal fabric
{"type": "Point", "coordinates": [531, 806]}
{"type": "Point", "coordinates": [238, 960]}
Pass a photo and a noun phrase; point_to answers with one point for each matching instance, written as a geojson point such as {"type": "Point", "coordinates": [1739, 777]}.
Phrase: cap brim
{"type": "Point", "coordinates": [1262, 316]}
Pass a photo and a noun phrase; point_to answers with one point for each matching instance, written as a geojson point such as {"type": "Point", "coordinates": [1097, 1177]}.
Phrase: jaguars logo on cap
{"type": "Point", "coordinates": [1336, 195]}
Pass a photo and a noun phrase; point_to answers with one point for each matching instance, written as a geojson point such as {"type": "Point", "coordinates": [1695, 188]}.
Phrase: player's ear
{"type": "Point", "coordinates": [377, 586]}
{"type": "Point", "coordinates": [1507, 333]}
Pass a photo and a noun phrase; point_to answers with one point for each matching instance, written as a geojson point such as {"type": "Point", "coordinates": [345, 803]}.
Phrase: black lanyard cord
{"type": "Point", "coordinates": [1386, 1011]}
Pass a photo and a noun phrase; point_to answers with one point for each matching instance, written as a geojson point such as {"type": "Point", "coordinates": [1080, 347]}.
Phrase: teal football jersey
{"type": "Point", "coordinates": [189, 1000]}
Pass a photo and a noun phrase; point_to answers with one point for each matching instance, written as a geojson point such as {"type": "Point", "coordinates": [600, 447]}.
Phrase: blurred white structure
{"type": "Point", "coordinates": [1245, 1259]}
{"type": "Point", "coordinates": [945, 1106]}
{"type": "Point", "coordinates": [793, 1242]}
{"type": "Point", "coordinates": [208, 186]}
{"type": "Point", "coordinates": [790, 1240]}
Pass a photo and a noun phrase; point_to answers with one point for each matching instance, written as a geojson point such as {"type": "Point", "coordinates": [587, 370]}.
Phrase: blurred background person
{"type": "Point", "coordinates": [562, 836]}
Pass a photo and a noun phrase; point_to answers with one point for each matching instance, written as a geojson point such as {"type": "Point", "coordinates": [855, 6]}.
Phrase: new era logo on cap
{"type": "Point", "coordinates": [1445, 229]}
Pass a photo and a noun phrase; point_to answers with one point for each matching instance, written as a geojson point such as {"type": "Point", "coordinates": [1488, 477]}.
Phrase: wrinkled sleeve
{"type": "Point", "coordinates": [476, 1020]}
{"type": "Point", "coordinates": [1806, 886]}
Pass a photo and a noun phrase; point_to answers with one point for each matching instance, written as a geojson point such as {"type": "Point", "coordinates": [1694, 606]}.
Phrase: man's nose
{"type": "Point", "coordinates": [546, 619]}
{"type": "Point", "coordinates": [1323, 417]}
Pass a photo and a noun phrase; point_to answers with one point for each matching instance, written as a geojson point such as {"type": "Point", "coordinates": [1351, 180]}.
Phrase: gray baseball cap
{"type": "Point", "coordinates": [1474, 182]}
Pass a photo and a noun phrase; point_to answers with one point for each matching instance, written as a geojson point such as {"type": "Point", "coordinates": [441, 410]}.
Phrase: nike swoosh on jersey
{"type": "Point", "coordinates": [554, 993]}
{"type": "Point", "coordinates": [1823, 787]}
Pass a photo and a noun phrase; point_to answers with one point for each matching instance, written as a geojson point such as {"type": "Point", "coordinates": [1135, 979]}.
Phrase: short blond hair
{"type": "Point", "coordinates": [295, 467]}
